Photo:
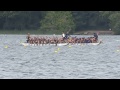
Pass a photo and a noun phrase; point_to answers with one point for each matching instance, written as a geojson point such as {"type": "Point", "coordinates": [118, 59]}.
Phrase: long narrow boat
{"type": "Point", "coordinates": [61, 44]}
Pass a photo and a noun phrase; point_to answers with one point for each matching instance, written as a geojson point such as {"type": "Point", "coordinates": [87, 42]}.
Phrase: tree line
{"type": "Point", "coordinates": [59, 21]}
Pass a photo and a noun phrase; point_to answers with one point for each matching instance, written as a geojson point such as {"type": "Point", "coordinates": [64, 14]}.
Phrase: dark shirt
{"type": "Point", "coordinates": [96, 36]}
{"type": "Point", "coordinates": [28, 38]}
{"type": "Point", "coordinates": [67, 35]}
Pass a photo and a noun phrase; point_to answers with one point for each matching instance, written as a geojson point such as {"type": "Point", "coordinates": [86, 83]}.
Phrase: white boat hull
{"type": "Point", "coordinates": [27, 44]}
{"type": "Point", "coordinates": [61, 44]}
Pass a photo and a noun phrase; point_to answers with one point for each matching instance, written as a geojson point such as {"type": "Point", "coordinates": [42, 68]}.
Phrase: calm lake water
{"type": "Point", "coordinates": [65, 62]}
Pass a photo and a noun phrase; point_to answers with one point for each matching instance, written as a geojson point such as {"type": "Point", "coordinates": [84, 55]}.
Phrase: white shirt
{"type": "Point", "coordinates": [63, 35]}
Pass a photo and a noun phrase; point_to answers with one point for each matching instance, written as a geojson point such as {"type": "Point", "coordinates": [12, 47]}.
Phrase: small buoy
{"type": "Point", "coordinates": [56, 51]}
{"type": "Point", "coordinates": [25, 46]}
{"type": "Point", "coordinates": [6, 46]}
{"type": "Point", "coordinates": [118, 50]}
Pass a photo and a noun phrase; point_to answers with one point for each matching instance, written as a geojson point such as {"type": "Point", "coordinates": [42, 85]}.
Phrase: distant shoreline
{"type": "Point", "coordinates": [91, 32]}
{"type": "Point", "coordinates": [36, 32]}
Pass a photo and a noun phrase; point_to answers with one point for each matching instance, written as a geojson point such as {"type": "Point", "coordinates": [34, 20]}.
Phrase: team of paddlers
{"type": "Point", "coordinates": [65, 38]}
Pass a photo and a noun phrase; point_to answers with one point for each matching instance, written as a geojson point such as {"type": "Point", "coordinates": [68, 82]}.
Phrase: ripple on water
{"type": "Point", "coordinates": [75, 61]}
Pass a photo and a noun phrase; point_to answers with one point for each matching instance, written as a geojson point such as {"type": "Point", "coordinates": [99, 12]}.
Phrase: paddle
{"type": "Point", "coordinates": [100, 42]}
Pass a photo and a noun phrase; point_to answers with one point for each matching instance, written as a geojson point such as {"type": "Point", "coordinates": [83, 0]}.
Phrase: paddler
{"type": "Point", "coordinates": [28, 37]}
{"type": "Point", "coordinates": [63, 36]}
{"type": "Point", "coordinates": [96, 36]}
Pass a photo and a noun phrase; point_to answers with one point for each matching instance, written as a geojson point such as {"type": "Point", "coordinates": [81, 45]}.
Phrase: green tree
{"type": "Point", "coordinates": [89, 20]}
{"type": "Point", "coordinates": [115, 22]}
{"type": "Point", "coordinates": [57, 21]}
{"type": "Point", "coordinates": [20, 20]}
{"type": "Point", "coordinates": [113, 17]}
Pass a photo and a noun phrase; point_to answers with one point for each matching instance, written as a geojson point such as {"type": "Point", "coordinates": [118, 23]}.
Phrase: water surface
{"type": "Point", "coordinates": [69, 62]}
